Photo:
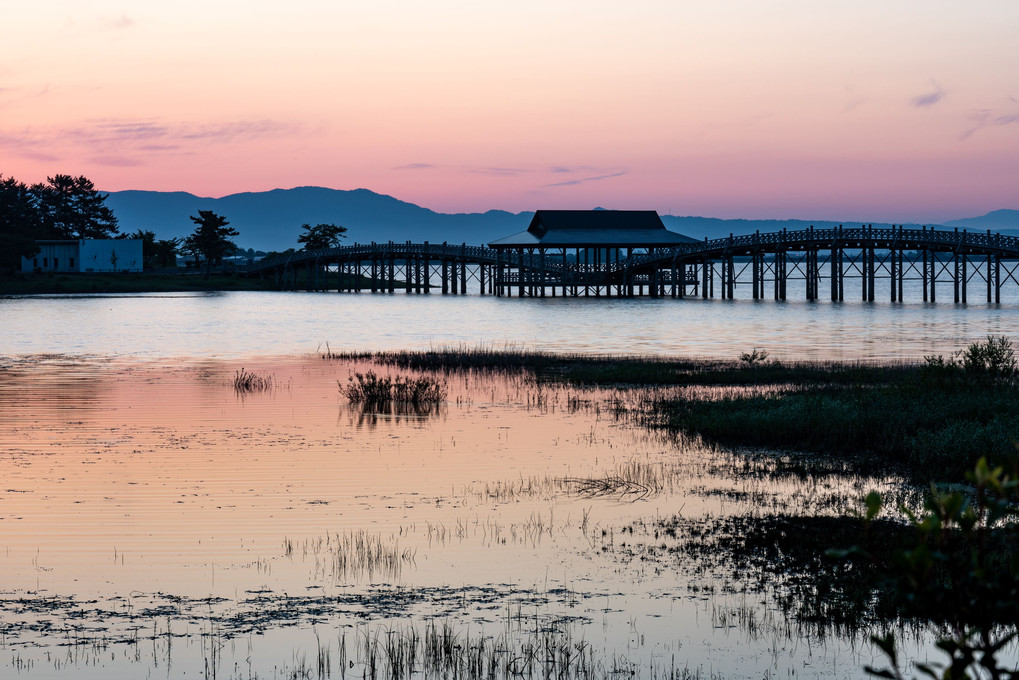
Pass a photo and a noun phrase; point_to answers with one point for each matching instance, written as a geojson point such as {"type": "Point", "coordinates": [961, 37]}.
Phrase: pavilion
{"type": "Point", "coordinates": [585, 252]}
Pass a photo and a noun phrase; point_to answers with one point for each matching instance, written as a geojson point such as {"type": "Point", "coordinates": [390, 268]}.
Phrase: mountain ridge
{"type": "Point", "coordinates": [271, 220]}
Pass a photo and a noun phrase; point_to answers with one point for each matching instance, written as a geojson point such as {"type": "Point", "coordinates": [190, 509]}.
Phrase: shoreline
{"type": "Point", "coordinates": [127, 282]}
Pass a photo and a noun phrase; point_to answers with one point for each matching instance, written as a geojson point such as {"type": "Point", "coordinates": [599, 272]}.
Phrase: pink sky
{"type": "Point", "coordinates": [866, 110]}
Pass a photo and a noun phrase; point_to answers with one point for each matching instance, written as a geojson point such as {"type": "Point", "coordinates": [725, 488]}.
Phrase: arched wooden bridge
{"type": "Point", "coordinates": [826, 262]}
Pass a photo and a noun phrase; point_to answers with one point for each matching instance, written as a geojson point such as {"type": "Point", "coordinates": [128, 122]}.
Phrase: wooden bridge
{"type": "Point", "coordinates": [825, 262]}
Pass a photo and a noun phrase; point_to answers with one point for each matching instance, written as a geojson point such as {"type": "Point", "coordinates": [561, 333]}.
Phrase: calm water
{"type": "Point", "coordinates": [156, 523]}
{"type": "Point", "coordinates": [237, 325]}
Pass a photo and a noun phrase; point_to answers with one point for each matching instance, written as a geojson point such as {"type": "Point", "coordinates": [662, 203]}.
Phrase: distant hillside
{"type": "Point", "coordinates": [997, 220]}
{"type": "Point", "coordinates": [271, 220]}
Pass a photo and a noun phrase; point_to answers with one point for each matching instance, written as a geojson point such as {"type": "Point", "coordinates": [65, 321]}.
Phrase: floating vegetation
{"type": "Point", "coordinates": [374, 391]}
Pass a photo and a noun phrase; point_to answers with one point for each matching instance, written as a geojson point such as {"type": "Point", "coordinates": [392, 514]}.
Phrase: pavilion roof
{"type": "Point", "coordinates": [594, 228]}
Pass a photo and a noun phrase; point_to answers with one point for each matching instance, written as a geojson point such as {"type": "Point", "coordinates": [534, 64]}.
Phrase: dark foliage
{"type": "Point", "coordinates": [321, 236]}
{"type": "Point", "coordinates": [20, 223]}
{"type": "Point", "coordinates": [211, 239]}
{"type": "Point", "coordinates": [72, 208]}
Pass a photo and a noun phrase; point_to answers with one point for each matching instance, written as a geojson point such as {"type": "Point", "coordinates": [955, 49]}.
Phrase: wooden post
{"type": "Point", "coordinates": [902, 273]}
{"type": "Point", "coordinates": [923, 267]}
{"type": "Point", "coordinates": [997, 278]}
{"type": "Point", "coordinates": [891, 274]}
{"type": "Point", "coordinates": [374, 268]}
{"type": "Point", "coordinates": [965, 275]}
{"type": "Point", "coordinates": [870, 266]}
{"type": "Point", "coordinates": [445, 269]}
{"type": "Point", "coordinates": [392, 268]}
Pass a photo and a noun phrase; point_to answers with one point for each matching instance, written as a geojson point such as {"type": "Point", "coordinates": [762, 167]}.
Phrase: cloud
{"type": "Point", "coordinates": [930, 99]}
{"type": "Point", "coordinates": [581, 180]}
{"type": "Point", "coordinates": [125, 142]}
{"type": "Point", "coordinates": [120, 23]}
{"type": "Point", "coordinates": [477, 169]}
{"type": "Point", "coordinates": [983, 118]}
{"type": "Point", "coordinates": [562, 169]}
{"type": "Point", "coordinates": [497, 171]}
{"type": "Point", "coordinates": [117, 161]}
{"type": "Point", "coordinates": [25, 145]}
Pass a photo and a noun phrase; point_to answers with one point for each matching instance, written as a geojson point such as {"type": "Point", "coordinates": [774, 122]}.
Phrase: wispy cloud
{"type": "Point", "coordinates": [581, 180]}
{"type": "Point", "coordinates": [497, 171]}
{"type": "Point", "coordinates": [853, 100]}
{"type": "Point", "coordinates": [121, 22]}
{"type": "Point", "coordinates": [125, 142]}
{"type": "Point", "coordinates": [117, 161]}
{"type": "Point", "coordinates": [25, 145]}
{"type": "Point", "coordinates": [564, 169]}
{"type": "Point", "coordinates": [983, 118]}
{"type": "Point", "coordinates": [930, 98]}
{"type": "Point", "coordinates": [476, 169]}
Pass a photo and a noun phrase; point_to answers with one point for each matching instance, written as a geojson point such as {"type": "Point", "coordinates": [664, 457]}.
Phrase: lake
{"type": "Point", "coordinates": [158, 522]}
{"type": "Point", "coordinates": [238, 325]}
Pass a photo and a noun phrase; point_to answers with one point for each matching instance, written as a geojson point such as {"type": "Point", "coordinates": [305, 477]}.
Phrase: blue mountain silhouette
{"type": "Point", "coordinates": [271, 220]}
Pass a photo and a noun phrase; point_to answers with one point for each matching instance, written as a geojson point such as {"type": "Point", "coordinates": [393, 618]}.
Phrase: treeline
{"type": "Point", "coordinates": [66, 207]}
{"type": "Point", "coordinates": [70, 208]}
{"type": "Point", "coordinates": [63, 207]}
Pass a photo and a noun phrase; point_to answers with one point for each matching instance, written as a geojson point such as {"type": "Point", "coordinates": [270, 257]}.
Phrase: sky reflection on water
{"type": "Point", "coordinates": [238, 325]}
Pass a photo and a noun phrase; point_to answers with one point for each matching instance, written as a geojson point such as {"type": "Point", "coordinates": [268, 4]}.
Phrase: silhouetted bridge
{"type": "Point", "coordinates": [826, 262]}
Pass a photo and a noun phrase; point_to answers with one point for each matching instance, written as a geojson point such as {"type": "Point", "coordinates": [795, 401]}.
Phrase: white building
{"type": "Point", "coordinates": [86, 255]}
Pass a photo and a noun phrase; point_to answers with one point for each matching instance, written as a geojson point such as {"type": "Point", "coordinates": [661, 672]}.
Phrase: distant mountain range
{"type": "Point", "coordinates": [271, 220]}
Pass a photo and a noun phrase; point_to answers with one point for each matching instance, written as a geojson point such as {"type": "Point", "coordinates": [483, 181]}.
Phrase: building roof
{"type": "Point", "coordinates": [594, 228]}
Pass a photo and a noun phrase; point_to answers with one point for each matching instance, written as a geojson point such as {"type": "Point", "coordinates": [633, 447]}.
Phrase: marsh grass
{"type": "Point", "coordinates": [249, 381]}
{"type": "Point", "coordinates": [353, 555]}
{"type": "Point", "coordinates": [547, 649]}
{"type": "Point", "coordinates": [927, 431]}
{"type": "Point", "coordinates": [375, 391]}
{"type": "Point", "coordinates": [591, 369]}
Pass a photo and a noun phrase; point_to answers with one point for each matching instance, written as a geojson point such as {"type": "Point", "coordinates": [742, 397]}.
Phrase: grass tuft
{"type": "Point", "coordinates": [374, 391]}
{"type": "Point", "coordinates": [249, 381]}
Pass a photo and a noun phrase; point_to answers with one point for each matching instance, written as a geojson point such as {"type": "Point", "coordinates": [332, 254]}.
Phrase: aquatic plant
{"type": "Point", "coordinates": [249, 381]}
{"type": "Point", "coordinates": [372, 390]}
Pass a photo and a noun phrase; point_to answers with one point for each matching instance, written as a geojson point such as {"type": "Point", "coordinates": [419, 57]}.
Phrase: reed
{"type": "Point", "coordinates": [755, 368]}
{"type": "Point", "coordinates": [375, 391]}
{"type": "Point", "coordinates": [248, 381]}
{"type": "Point", "coordinates": [439, 650]}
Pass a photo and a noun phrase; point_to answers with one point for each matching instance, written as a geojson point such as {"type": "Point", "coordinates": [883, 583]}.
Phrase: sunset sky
{"type": "Point", "coordinates": [880, 110]}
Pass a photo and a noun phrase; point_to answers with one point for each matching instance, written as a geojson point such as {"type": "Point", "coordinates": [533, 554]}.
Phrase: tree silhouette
{"type": "Point", "coordinates": [20, 223]}
{"type": "Point", "coordinates": [211, 238]}
{"type": "Point", "coordinates": [71, 207]}
{"type": "Point", "coordinates": [321, 236]}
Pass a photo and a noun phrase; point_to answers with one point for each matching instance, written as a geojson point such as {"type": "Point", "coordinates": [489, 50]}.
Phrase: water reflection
{"type": "Point", "coordinates": [155, 502]}
{"type": "Point", "coordinates": [242, 325]}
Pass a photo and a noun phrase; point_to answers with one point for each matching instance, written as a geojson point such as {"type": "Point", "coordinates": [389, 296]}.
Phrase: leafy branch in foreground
{"type": "Point", "coordinates": [962, 567]}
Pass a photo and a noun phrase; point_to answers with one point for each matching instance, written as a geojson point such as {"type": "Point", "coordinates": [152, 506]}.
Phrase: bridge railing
{"type": "Point", "coordinates": [896, 235]}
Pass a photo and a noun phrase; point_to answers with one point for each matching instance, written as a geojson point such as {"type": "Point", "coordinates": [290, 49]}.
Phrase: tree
{"type": "Point", "coordinates": [166, 252]}
{"type": "Point", "coordinates": [211, 239]}
{"type": "Point", "coordinates": [20, 223]}
{"type": "Point", "coordinates": [321, 236]}
{"type": "Point", "coordinates": [71, 207]}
